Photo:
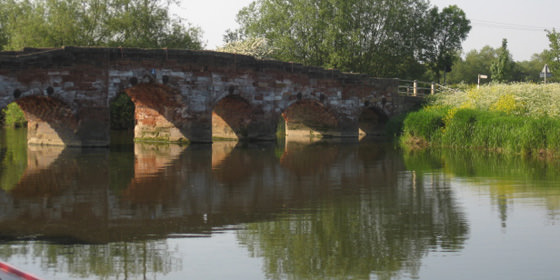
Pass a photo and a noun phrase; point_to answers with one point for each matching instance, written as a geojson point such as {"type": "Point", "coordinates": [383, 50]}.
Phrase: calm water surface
{"type": "Point", "coordinates": [276, 211]}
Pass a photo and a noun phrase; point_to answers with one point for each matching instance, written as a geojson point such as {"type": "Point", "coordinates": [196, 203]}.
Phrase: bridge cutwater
{"type": "Point", "coordinates": [193, 96]}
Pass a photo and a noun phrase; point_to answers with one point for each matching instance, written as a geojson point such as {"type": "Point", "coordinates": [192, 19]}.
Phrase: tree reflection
{"type": "Point", "coordinates": [371, 227]}
{"type": "Point", "coordinates": [506, 177]}
{"type": "Point", "coordinates": [314, 211]}
{"type": "Point", "coordinates": [13, 157]}
{"type": "Point", "coordinates": [120, 260]}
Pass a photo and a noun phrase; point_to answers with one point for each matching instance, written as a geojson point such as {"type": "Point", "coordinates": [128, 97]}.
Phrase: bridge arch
{"type": "Point", "coordinates": [50, 121]}
{"type": "Point", "coordinates": [231, 118]}
{"type": "Point", "coordinates": [55, 118]}
{"type": "Point", "coordinates": [372, 121]}
{"type": "Point", "coordinates": [159, 113]}
{"type": "Point", "coordinates": [310, 118]}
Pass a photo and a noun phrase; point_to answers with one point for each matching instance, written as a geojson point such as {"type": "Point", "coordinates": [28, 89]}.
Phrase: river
{"type": "Point", "coordinates": [289, 210]}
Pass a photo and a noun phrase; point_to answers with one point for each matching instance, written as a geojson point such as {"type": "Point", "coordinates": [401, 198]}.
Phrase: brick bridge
{"type": "Point", "coordinates": [182, 95]}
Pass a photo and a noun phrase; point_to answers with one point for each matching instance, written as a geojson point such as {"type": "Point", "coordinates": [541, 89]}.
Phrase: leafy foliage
{"type": "Point", "coordinates": [127, 23]}
{"type": "Point", "coordinates": [527, 99]}
{"type": "Point", "coordinates": [529, 71]}
{"type": "Point", "coordinates": [502, 68]}
{"type": "Point", "coordinates": [554, 53]}
{"type": "Point", "coordinates": [13, 116]}
{"type": "Point", "coordinates": [3, 32]}
{"type": "Point", "coordinates": [425, 124]}
{"type": "Point", "coordinates": [475, 62]}
{"type": "Point", "coordinates": [381, 38]}
{"type": "Point", "coordinates": [508, 104]}
{"type": "Point", "coordinates": [446, 31]}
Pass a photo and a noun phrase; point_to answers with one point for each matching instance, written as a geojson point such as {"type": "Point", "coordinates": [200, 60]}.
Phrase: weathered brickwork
{"type": "Point", "coordinates": [178, 94]}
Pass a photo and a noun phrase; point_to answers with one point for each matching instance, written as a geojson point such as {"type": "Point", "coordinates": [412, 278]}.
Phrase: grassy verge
{"type": "Point", "coordinates": [497, 117]}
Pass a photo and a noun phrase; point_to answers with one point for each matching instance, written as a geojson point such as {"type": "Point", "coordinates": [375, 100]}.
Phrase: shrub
{"type": "Point", "coordinates": [508, 104]}
{"type": "Point", "coordinates": [14, 116]}
{"type": "Point", "coordinates": [425, 124]}
{"type": "Point", "coordinates": [522, 99]}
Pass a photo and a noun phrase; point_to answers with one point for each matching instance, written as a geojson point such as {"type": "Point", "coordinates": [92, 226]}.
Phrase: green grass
{"type": "Point", "coordinates": [425, 124]}
{"type": "Point", "coordinates": [505, 118]}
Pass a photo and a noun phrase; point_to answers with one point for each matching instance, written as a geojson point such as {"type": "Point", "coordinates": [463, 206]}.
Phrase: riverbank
{"type": "Point", "coordinates": [519, 119]}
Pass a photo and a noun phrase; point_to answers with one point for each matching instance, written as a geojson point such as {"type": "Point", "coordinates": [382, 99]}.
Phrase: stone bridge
{"type": "Point", "coordinates": [189, 96]}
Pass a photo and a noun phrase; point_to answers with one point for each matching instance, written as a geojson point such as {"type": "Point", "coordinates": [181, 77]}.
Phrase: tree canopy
{"type": "Point", "coordinates": [127, 23]}
{"type": "Point", "coordinates": [446, 31]}
{"type": "Point", "coordinates": [503, 67]}
{"type": "Point", "coordinates": [475, 62]}
{"type": "Point", "coordinates": [553, 55]}
{"type": "Point", "coordinates": [378, 37]}
{"type": "Point", "coordinates": [499, 66]}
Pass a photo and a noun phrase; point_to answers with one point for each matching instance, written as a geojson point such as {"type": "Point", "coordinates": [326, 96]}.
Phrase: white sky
{"type": "Point", "coordinates": [521, 22]}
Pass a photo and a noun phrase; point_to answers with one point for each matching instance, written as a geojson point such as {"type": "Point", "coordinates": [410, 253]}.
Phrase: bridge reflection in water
{"type": "Point", "coordinates": [310, 210]}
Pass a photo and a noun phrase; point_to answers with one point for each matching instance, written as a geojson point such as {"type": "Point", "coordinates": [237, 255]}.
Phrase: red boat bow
{"type": "Point", "coordinates": [8, 272]}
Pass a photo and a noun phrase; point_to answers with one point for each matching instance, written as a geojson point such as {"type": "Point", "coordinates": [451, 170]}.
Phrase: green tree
{"type": "Point", "coordinates": [3, 34]}
{"type": "Point", "coordinates": [446, 30]}
{"type": "Point", "coordinates": [529, 71]}
{"type": "Point", "coordinates": [14, 116]}
{"type": "Point", "coordinates": [480, 62]}
{"type": "Point", "coordinates": [553, 54]}
{"type": "Point", "coordinates": [129, 23]}
{"type": "Point", "coordinates": [143, 23]}
{"type": "Point", "coordinates": [381, 38]}
{"type": "Point", "coordinates": [503, 67]}
{"type": "Point", "coordinates": [475, 62]}
{"type": "Point", "coordinates": [233, 36]}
